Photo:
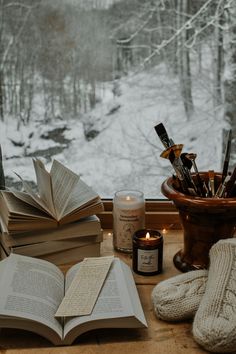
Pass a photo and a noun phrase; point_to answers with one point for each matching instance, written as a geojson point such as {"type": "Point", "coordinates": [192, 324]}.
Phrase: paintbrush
{"type": "Point", "coordinates": [227, 156]}
{"type": "Point", "coordinates": [200, 184]}
{"type": "Point", "coordinates": [184, 176]}
{"type": "Point", "coordinates": [2, 177]}
{"type": "Point", "coordinates": [231, 184]}
{"type": "Point", "coordinates": [162, 133]}
{"type": "Point", "coordinates": [211, 183]}
{"type": "Point", "coordinates": [220, 193]}
{"type": "Point", "coordinates": [187, 165]}
{"type": "Point", "coordinates": [173, 153]}
{"type": "Point", "coordinates": [179, 173]}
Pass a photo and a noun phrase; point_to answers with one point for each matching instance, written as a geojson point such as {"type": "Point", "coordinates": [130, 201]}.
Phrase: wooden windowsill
{"type": "Point", "coordinates": [160, 214]}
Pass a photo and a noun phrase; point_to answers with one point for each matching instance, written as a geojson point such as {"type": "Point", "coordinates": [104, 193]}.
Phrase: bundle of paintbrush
{"type": "Point", "coordinates": [193, 183]}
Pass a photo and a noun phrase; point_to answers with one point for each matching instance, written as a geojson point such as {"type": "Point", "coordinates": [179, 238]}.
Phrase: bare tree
{"type": "Point", "coordinates": [184, 57]}
{"type": "Point", "coordinates": [218, 54]}
{"type": "Point", "coordinates": [9, 40]}
{"type": "Point", "coordinates": [230, 74]}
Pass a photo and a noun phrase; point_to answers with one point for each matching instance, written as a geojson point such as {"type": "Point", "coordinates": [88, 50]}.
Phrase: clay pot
{"type": "Point", "coordinates": [204, 222]}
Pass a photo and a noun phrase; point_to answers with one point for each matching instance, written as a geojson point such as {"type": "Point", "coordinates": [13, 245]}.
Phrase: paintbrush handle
{"type": "Point", "coordinates": [162, 133]}
{"type": "Point", "coordinates": [227, 156]}
{"type": "Point", "coordinates": [2, 177]}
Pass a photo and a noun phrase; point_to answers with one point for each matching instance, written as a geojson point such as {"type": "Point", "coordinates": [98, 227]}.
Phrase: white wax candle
{"type": "Point", "coordinates": [128, 217]}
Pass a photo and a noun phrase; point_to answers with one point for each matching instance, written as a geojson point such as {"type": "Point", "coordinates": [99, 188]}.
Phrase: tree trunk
{"type": "Point", "coordinates": [230, 80]}
{"type": "Point", "coordinates": [1, 97]}
{"type": "Point", "coordinates": [184, 60]}
{"type": "Point", "coordinates": [1, 69]}
{"type": "Point", "coordinates": [218, 60]}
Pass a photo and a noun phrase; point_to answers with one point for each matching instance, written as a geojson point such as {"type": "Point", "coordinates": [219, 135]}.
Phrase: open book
{"type": "Point", "coordinates": [32, 290]}
{"type": "Point", "coordinates": [62, 198]}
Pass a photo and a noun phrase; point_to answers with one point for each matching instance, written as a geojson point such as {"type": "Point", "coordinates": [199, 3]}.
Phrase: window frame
{"type": "Point", "coordinates": [160, 214]}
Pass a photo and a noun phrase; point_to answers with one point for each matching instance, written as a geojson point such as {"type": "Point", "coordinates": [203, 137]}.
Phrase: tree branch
{"type": "Point", "coordinates": [186, 25]}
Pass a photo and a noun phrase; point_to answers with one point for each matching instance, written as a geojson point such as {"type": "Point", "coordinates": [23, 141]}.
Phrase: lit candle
{"type": "Point", "coordinates": [128, 217]}
{"type": "Point", "coordinates": [147, 252]}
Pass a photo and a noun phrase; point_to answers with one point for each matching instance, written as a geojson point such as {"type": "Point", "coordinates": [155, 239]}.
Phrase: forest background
{"type": "Point", "coordinates": [85, 82]}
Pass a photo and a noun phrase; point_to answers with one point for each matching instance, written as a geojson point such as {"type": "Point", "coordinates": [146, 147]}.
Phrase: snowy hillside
{"type": "Point", "coordinates": [124, 152]}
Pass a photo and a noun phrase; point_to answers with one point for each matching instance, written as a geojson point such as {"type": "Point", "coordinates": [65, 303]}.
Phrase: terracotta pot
{"type": "Point", "coordinates": [204, 222]}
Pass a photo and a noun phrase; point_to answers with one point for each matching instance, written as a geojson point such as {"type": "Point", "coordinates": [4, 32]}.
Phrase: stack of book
{"type": "Point", "coordinates": [57, 223]}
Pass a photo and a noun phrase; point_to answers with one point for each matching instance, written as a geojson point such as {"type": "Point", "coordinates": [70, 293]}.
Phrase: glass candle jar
{"type": "Point", "coordinates": [147, 252]}
{"type": "Point", "coordinates": [128, 217]}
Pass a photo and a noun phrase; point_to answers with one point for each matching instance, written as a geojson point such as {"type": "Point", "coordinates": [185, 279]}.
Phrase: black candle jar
{"type": "Point", "coordinates": [147, 252]}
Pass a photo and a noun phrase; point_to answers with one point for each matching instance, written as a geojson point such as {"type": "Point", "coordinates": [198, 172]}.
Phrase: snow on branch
{"type": "Point", "coordinates": [13, 4]}
{"type": "Point", "coordinates": [128, 40]}
{"type": "Point", "coordinates": [188, 24]}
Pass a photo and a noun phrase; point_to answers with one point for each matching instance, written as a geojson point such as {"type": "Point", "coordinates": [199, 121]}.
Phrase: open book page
{"type": "Point", "coordinates": [37, 201]}
{"type": "Point", "coordinates": [31, 289]}
{"type": "Point", "coordinates": [21, 211]}
{"type": "Point", "coordinates": [114, 301]}
{"type": "Point", "coordinates": [82, 196]}
{"type": "Point", "coordinates": [3, 253]}
{"type": "Point", "coordinates": [25, 197]}
{"type": "Point", "coordinates": [133, 293]}
{"type": "Point", "coordinates": [84, 212]}
{"type": "Point", "coordinates": [85, 287]}
{"type": "Point", "coordinates": [44, 184]}
{"type": "Point", "coordinates": [3, 227]}
{"type": "Point", "coordinates": [63, 184]}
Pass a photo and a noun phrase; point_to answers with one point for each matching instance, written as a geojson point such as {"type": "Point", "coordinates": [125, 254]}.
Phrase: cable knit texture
{"type": "Point", "coordinates": [178, 298]}
{"type": "Point", "coordinates": [214, 325]}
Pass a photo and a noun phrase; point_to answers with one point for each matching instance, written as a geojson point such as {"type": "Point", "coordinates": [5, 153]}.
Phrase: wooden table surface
{"type": "Point", "coordinates": [159, 338]}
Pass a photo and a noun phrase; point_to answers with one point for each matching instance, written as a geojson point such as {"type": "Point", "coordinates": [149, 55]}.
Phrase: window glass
{"type": "Point", "coordinates": [86, 82]}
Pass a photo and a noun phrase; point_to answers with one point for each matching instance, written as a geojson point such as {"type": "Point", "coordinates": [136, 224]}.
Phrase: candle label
{"type": "Point", "coordinates": [126, 222]}
{"type": "Point", "coordinates": [147, 260]}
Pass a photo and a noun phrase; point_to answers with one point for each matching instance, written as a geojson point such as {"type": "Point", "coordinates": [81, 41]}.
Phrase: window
{"type": "Point", "coordinates": [85, 82]}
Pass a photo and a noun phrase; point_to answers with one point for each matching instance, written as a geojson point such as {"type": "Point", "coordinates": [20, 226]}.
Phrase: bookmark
{"type": "Point", "coordinates": [85, 287]}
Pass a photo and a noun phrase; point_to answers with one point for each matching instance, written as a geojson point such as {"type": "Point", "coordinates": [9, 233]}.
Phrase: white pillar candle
{"type": "Point", "coordinates": [128, 217]}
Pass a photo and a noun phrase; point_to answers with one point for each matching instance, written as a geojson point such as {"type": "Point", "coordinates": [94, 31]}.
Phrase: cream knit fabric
{"type": "Point", "coordinates": [214, 326]}
{"type": "Point", "coordinates": [178, 298]}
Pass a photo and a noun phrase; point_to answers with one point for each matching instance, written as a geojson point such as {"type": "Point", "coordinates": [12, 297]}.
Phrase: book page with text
{"type": "Point", "coordinates": [63, 184]}
{"type": "Point", "coordinates": [25, 197]}
{"type": "Point", "coordinates": [44, 185]}
{"type": "Point", "coordinates": [31, 289]}
{"type": "Point", "coordinates": [82, 196]}
{"type": "Point", "coordinates": [37, 200]}
{"type": "Point", "coordinates": [113, 302]}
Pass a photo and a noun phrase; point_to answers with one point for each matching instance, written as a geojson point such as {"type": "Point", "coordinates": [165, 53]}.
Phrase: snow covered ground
{"type": "Point", "coordinates": [126, 152]}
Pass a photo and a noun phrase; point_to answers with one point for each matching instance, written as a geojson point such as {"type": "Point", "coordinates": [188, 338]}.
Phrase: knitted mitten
{"type": "Point", "coordinates": [178, 298]}
{"type": "Point", "coordinates": [214, 326]}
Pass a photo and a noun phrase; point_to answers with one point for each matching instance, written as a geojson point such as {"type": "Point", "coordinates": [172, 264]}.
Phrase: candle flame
{"type": "Point", "coordinates": [164, 231]}
{"type": "Point", "coordinates": [147, 236]}
{"type": "Point", "coordinates": [128, 197]}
